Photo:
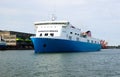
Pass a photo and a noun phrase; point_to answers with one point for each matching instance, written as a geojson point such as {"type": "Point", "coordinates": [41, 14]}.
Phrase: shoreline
{"type": "Point", "coordinates": [18, 48]}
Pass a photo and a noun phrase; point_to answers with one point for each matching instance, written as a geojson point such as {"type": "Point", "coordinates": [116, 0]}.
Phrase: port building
{"type": "Point", "coordinates": [16, 39]}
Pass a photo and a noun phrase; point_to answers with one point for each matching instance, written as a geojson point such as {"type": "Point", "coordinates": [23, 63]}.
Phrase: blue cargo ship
{"type": "Point", "coordinates": [61, 36]}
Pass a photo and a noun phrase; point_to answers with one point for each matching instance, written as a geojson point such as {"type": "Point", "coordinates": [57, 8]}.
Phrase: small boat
{"type": "Point", "coordinates": [2, 43]}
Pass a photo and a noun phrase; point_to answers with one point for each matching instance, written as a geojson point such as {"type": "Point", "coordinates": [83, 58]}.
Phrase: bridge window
{"type": "Point", "coordinates": [51, 34]}
{"type": "Point", "coordinates": [46, 34]}
{"type": "Point", "coordinates": [40, 34]}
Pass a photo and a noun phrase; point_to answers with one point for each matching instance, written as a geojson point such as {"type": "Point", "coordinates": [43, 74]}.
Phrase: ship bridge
{"type": "Point", "coordinates": [50, 28]}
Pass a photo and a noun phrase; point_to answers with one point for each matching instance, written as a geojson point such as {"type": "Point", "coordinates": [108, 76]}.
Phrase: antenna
{"type": "Point", "coordinates": [53, 17]}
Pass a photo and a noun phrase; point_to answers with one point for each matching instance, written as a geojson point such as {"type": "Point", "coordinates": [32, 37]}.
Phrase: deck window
{"type": "Point", "coordinates": [75, 33]}
{"type": "Point", "coordinates": [71, 33]}
{"type": "Point", "coordinates": [91, 41]}
{"type": "Point", "coordinates": [70, 37]}
{"type": "Point", "coordinates": [88, 41]}
{"type": "Point", "coordinates": [77, 39]}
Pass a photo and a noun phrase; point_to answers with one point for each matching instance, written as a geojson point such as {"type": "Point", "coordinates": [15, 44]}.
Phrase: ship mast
{"type": "Point", "coordinates": [53, 17]}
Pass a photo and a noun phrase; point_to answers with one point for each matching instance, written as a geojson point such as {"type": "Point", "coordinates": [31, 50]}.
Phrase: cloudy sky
{"type": "Point", "coordinates": [102, 17]}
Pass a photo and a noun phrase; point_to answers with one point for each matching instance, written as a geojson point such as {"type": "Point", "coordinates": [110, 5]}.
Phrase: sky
{"type": "Point", "coordinates": [101, 17]}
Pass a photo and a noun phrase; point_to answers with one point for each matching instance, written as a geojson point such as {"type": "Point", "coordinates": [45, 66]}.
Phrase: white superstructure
{"type": "Point", "coordinates": [62, 30]}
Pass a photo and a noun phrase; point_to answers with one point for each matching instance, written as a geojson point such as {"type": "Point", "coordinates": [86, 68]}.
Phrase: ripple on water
{"type": "Point", "coordinates": [25, 63]}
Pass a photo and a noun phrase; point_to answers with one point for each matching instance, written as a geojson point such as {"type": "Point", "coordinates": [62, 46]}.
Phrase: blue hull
{"type": "Point", "coordinates": [60, 45]}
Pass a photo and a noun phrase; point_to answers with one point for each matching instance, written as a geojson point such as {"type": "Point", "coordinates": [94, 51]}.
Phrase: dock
{"type": "Point", "coordinates": [17, 40]}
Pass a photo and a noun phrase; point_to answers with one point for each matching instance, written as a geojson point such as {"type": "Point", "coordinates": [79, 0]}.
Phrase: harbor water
{"type": "Point", "coordinates": [25, 63]}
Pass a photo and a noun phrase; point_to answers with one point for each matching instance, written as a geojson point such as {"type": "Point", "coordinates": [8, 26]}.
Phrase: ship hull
{"type": "Point", "coordinates": [2, 45]}
{"type": "Point", "coordinates": [60, 45]}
